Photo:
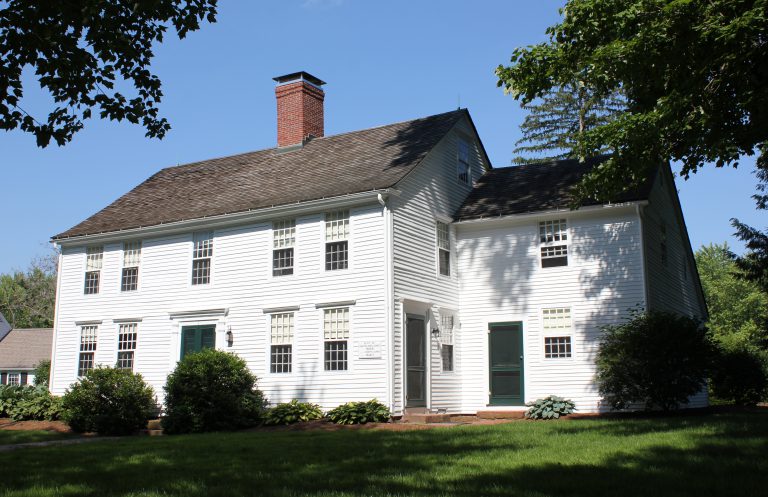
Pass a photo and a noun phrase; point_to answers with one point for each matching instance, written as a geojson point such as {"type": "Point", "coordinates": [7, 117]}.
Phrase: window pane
{"type": "Point", "coordinates": [131, 254]}
{"type": "Point", "coordinates": [14, 378]}
{"type": "Point", "coordinates": [282, 328]}
{"type": "Point", "coordinates": [443, 237]}
{"type": "Point", "coordinates": [336, 356]}
{"type": "Point", "coordinates": [85, 363]}
{"type": "Point", "coordinates": [553, 231]}
{"type": "Point", "coordinates": [336, 256]}
{"type": "Point", "coordinates": [336, 226]}
{"type": "Point", "coordinates": [557, 318]}
{"type": "Point", "coordinates": [554, 256]}
{"type": "Point", "coordinates": [336, 324]}
{"type": "Point", "coordinates": [92, 282]}
{"type": "Point", "coordinates": [280, 361]}
{"type": "Point", "coordinates": [445, 262]}
{"type": "Point", "coordinates": [203, 244]}
{"type": "Point", "coordinates": [201, 271]}
{"type": "Point", "coordinates": [282, 262]}
{"type": "Point", "coordinates": [88, 338]}
{"type": "Point", "coordinates": [94, 257]}
{"type": "Point", "coordinates": [284, 233]}
{"type": "Point", "coordinates": [446, 353]}
{"type": "Point", "coordinates": [130, 279]}
{"type": "Point", "coordinates": [557, 347]}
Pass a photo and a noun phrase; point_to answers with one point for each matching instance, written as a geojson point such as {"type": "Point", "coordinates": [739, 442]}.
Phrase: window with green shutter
{"type": "Point", "coordinates": [197, 338]}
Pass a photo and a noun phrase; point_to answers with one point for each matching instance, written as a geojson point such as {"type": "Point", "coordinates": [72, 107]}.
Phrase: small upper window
{"type": "Point", "coordinates": [131, 259]}
{"type": "Point", "coordinates": [283, 240]}
{"type": "Point", "coordinates": [443, 248]}
{"type": "Point", "coordinates": [446, 342]}
{"type": "Point", "coordinates": [94, 257]}
{"type": "Point", "coordinates": [336, 240]}
{"type": "Point", "coordinates": [201, 257]}
{"type": "Point", "coordinates": [553, 238]}
{"type": "Point", "coordinates": [462, 165]}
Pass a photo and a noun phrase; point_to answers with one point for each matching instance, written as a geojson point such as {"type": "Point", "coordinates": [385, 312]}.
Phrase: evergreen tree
{"type": "Point", "coordinates": [556, 122]}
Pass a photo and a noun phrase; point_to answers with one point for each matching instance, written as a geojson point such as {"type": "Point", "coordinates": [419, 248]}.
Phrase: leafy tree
{"type": "Point", "coordinates": [755, 262]}
{"type": "Point", "coordinates": [42, 372]}
{"type": "Point", "coordinates": [554, 124]}
{"type": "Point", "coordinates": [694, 73]}
{"type": "Point", "coordinates": [738, 309]}
{"type": "Point", "coordinates": [80, 50]}
{"type": "Point", "coordinates": [27, 299]}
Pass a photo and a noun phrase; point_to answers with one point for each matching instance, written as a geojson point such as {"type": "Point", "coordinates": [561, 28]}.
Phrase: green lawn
{"type": "Point", "coordinates": [24, 436]}
{"type": "Point", "coordinates": [725, 454]}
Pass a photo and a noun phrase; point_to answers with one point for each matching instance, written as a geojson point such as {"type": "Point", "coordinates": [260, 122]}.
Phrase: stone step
{"type": "Point", "coordinates": [425, 418]}
{"type": "Point", "coordinates": [501, 414]}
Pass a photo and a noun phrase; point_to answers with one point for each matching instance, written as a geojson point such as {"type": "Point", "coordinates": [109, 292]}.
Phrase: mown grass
{"type": "Point", "coordinates": [722, 454]}
{"type": "Point", "coordinates": [23, 436]}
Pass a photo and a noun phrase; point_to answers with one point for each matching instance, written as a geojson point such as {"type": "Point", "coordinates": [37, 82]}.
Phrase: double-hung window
{"type": "Point", "coordinates": [85, 361]}
{"type": "Point", "coordinates": [283, 240]}
{"type": "Point", "coordinates": [14, 379]}
{"type": "Point", "coordinates": [462, 163]}
{"type": "Point", "coordinates": [557, 327]}
{"type": "Point", "coordinates": [443, 249]}
{"type": "Point", "coordinates": [94, 258]}
{"type": "Point", "coordinates": [126, 345]}
{"type": "Point", "coordinates": [336, 240]}
{"type": "Point", "coordinates": [281, 337]}
{"type": "Point", "coordinates": [131, 259]}
{"type": "Point", "coordinates": [446, 341]}
{"type": "Point", "coordinates": [202, 253]}
{"type": "Point", "coordinates": [553, 238]}
{"type": "Point", "coordinates": [336, 337]}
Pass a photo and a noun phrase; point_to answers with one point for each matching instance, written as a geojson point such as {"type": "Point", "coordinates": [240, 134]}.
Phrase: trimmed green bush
{"type": "Point", "coordinates": [109, 401]}
{"type": "Point", "coordinates": [211, 390]}
{"type": "Point", "coordinates": [292, 412]}
{"type": "Point", "coordinates": [740, 377]}
{"type": "Point", "coordinates": [658, 359]}
{"type": "Point", "coordinates": [551, 407]}
{"type": "Point", "coordinates": [355, 413]}
{"type": "Point", "coordinates": [24, 403]}
{"type": "Point", "coordinates": [42, 372]}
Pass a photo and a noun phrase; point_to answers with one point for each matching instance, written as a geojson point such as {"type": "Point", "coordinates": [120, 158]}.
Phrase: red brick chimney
{"type": "Point", "coordinates": [299, 108]}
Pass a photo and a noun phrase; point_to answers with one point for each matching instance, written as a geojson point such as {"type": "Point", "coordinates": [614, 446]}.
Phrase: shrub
{"type": "Point", "coordinates": [658, 359]}
{"type": "Point", "coordinates": [739, 377]}
{"type": "Point", "coordinates": [109, 401]}
{"type": "Point", "coordinates": [353, 413]}
{"type": "Point", "coordinates": [292, 412]}
{"type": "Point", "coordinates": [551, 407]}
{"type": "Point", "coordinates": [42, 372]}
{"type": "Point", "coordinates": [23, 403]}
{"type": "Point", "coordinates": [211, 390]}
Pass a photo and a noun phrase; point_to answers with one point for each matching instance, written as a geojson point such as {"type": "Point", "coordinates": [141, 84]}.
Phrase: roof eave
{"type": "Point", "coordinates": [547, 212]}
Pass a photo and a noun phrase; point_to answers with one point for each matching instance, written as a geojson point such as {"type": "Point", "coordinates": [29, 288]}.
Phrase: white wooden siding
{"type": "Point", "coordinates": [431, 192]}
{"type": "Point", "coordinates": [502, 281]}
{"type": "Point", "coordinates": [242, 283]}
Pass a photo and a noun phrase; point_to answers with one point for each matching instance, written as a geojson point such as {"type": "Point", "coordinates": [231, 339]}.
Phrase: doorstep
{"type": "Point", "coordinates": [502, 412]}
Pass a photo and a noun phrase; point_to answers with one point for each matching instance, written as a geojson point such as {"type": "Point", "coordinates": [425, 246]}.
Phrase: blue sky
{"type": "Point", "coordinates": [383, 62]}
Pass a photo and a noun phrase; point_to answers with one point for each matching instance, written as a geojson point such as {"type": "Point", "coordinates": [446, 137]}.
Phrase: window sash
{"type": "Point", "coordinates": [556, 318]}
{"type": "Point", "coordinates": [553, 231]}
{"type": "Point", "coordinates": [336, 255]}
{"type": "Point", "coordinates": [201, 271]}
{"type": "Point", "coordinates": [14, 379]}
{"type": "Point", "coordinates": [84, 363]}
{"type": "Point", "coordinates": [129, 280]}
{"type": "Point", "coordinates": [444, 257]}
{"type": "Point", "coordinates": [336, 226]}
{"type": "Point", "coordinates": [446, 355]}
{"type": "Point", "coordinates": [336, 356]}
{"type": "Point", "coordinates": [281, 358]}
{"type": "Point", "coordinates": [125, 360]}
{"type": "Point", "coordinates": [557, 347]}
{"type": "Point", "coordinates": [462, 165]}
{"type": "Point", "coordinates": [336, 323]}
{"type": "Point", "coordinates": [203, 245]}
{"type": "Point", "coordinates": [131, 254]}
{"type": "Point", "coordinates": [94, 258]}
{"type": "Point", "coordinates": [281, 328]}
{"type": "Point", "coordinates": [283, 234]}
{"type": "Point", "coordinates": [88, 337]}
{"type": "Point", "coordinates": [91, 285]}
{"type": "Point", "coordinates": [282, 262]}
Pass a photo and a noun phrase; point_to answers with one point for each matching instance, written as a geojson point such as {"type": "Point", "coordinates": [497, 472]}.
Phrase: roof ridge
{"type": "Point", "coordinates": [262, 150]}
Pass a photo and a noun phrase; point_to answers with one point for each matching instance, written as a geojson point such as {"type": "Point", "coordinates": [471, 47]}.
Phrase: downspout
{"type": "Point", "coordinates": [55, 318]}
{"type": "Point", "coordinates": [389, 296]}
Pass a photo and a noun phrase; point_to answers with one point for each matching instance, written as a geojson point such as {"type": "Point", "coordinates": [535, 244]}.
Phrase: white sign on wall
{"type": "Point", "coordinates": [370, 349]}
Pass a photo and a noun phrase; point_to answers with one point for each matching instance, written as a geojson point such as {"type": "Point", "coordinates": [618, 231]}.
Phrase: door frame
{"type": "Point", "coordinates": [522, 362]}
{"type": "Point", "coordinates": [427, 368]}
{"type": "Point", "coordinates": [184, 328]}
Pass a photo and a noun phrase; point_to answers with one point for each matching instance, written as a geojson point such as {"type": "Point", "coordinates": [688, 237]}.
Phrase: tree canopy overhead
{"type": "Point", "coordinates": [695, 74]}
{"type": "Point", "coordinates": [80, 50]}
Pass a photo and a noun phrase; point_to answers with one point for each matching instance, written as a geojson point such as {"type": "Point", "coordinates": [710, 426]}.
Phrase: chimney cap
{"type": "Point", "coordinates": [298, 76]}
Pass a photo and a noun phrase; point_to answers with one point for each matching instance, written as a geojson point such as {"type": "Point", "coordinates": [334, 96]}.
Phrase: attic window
{"type": "Point", "coordinates": [336, 240]}
{"type": "Point", "coordinates": [463, 162]}
{"type": "Point", "coordinates": [553, 238]}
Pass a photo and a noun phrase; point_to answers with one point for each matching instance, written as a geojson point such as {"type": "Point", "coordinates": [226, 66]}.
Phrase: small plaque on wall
{"type": "Point", "coordinates": [370, 349]}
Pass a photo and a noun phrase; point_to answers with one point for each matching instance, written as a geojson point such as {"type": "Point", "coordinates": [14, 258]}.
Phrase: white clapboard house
{"type": "Point", "coordinates": [392, 262]}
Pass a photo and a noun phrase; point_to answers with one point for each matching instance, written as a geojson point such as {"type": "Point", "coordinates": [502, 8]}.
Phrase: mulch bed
{"type": "Point", "coordinates": [57, 426]}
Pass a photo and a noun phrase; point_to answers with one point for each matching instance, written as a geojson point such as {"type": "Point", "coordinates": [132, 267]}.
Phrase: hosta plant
{"type": "Point", "coordinates": [292, 412]}
{"type": "Point", "coordinates": [354, 413]}
{"type": "Point", "coordinates": [552, 407]}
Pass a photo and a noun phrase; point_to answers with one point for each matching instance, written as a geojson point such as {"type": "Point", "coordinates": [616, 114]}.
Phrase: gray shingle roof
{"type": "Point", "coordinates": [24, 348]}
{"type": "Point", "coordinates": [359, 161]}
{"type": "Point", "coordinates": [532, 188]}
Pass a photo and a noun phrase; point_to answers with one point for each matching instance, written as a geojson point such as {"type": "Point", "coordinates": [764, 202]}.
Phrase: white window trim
{"type": "Point", "coordinates": [118, 324]}
{"type": "Point", "coordinates": [451, 250]}
{"type": "Point", "coordinates": [349, 240]}
{"type": "Point", "coordinates": [295, 248]}
{"type": "Point", "coordinates": [138, 266]}
{"type": "Point", "coordinates": [566, 242]}
{"type": "Point", "coordinates": [268, 327]}
{"type": "Point", "coordinates": [100, 270]}
{"type": "Point", "coordinates": [97, 327]}
{"type": "Point", "coordinates": [441, 342]}
{"type": "Point", "coordinates": [350, 343]}
{"type": "Point", "coordinates": [8, 378]}
{"type": "Point", "coordinates": [191, 259]}
{"type": "Point", "coordinates": [563, 332]}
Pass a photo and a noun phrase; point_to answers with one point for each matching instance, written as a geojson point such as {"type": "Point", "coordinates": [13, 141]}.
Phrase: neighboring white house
{"type": "Point", "coordinates": [391, 262]}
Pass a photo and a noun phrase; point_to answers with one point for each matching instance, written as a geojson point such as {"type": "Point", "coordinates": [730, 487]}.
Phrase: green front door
{"type": "Point", "coordinates": [505, 345]}
{"type": "Point", "coordinates": [197, 338]}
